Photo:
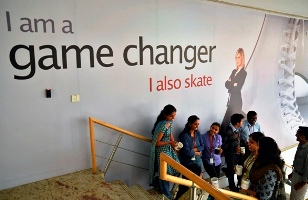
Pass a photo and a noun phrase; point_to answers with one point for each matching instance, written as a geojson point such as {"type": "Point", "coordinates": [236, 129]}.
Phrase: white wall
{"type": "Point", "coordinates": [41, 137]}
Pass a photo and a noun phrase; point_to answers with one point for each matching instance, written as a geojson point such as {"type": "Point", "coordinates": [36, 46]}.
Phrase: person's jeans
{"type": "Point", "coordinates": [165, 188]}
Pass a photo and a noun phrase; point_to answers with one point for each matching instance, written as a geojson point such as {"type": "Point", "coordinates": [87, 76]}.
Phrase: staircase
{"type": "Point", "coordinates": [83, 185]}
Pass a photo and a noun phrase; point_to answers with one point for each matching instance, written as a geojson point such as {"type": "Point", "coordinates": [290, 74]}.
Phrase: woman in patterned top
{"type": "Point", "coordinates": [267, 169]}
{"type": "Point", "coordinates": [163, 141]}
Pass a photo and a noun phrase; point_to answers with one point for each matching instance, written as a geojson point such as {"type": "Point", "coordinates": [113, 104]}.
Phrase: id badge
{"type": "Point", "coordinates": [211, 160]}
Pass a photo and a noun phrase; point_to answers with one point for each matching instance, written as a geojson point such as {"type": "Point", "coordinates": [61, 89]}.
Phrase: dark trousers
{"type": "Point", "coordinates": [211, 170]}
{"type": "Point", "coordinates": [232, 160]}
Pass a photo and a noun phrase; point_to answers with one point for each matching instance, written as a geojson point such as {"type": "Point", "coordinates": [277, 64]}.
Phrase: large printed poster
{"type": "Point", "coordinates": [128, 59]}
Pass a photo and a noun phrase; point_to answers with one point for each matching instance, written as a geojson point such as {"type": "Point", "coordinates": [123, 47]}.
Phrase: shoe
{"type": "Point", "coordinates": [273, 95]}
{"type": "Point", "coordinates": [289, 109]}
{"type": "Point", "coordinates": [301, 73]}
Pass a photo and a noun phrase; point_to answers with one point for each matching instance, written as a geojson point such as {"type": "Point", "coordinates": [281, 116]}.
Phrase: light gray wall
{"type": "Point", "coordinates": [42, 138]}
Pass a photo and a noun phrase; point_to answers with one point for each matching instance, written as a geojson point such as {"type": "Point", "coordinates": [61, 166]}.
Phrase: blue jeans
{"type": "Point", "coordinates": [165, 188]}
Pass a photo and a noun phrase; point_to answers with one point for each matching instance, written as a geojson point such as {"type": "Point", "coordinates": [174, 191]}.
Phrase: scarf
{"type": "Point", "coordinates": [257, 173]}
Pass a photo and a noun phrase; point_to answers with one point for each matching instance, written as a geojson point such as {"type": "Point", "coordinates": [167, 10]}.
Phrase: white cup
{"type": "Point", "coordinates": [214, 182]}
{"type": "Point", "coordinates": [245, 184]}
{"type": "Point", "coordinates": [243, 150]}
{"type": "Point", "coordinates": [239, 170]}
{"type": "Point", "coordinates": [179, 146]}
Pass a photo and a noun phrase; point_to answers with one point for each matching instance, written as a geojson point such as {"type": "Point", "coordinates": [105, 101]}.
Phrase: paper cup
{"type": "Point", "coordinates": [239, 170]}
{"type": "Point", "coordinates": [179, 146]}
{"type": "Point", "coordinates": [243, 150]}
{"type": "Point", "coordinates": [217, 150]}
{"type": "Point", "coordinates": [214, 182]}
{"type": "Point", "coordinates": [245, 184]}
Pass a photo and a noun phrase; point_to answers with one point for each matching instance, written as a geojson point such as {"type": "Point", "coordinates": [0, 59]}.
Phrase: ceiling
{"type": "Point", "coordinates": [288, 8]}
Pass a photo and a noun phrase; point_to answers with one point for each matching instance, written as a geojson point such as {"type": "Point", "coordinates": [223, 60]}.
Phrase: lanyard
{"type": "Point", "coordinates": [211, 145]}
{"type": "Point", "coordinates": [195, 144]}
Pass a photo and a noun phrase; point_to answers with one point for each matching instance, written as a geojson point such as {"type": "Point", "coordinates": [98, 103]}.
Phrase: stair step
{"type": "Point", "coordinates": [118, 190]}
{"type": "Point", "coordinates": [156, 194]}
{"type": "Point", "coordinates": [140, 192]}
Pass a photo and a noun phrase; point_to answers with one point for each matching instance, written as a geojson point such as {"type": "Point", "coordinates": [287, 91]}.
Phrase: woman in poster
{"type": "Point", "coordinates": [234, 85]}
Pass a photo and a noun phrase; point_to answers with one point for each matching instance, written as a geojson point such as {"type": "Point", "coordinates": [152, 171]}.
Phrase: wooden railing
{"type": "Point", "coordinates": [93, 151]}
{"type": "Point", "coordinates": [217, 193]}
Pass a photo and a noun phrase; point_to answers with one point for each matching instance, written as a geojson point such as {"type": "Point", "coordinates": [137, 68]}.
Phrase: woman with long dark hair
{"type": "Point", "coordinates": [267, 170]}
{"type": "Point", "coordinates": [253, 146]}
{"type": "Point", "coordinates": [163, 141]}
{"type": "Point", "coordinates": [192, 143]}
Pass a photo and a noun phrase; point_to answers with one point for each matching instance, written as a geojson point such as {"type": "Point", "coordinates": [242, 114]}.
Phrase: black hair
{"type": "Point", "coordinates": [303, 130]}
{"type": "Point", "coordinates": [168, 110]}
{"type": "Point", "coordinates": [236, 118]}
{"type": "Point", "coordinates": [190, 120]}
{"type": "Point", "coordinates": [256, 136]}
{"type": "Point", "coordinates": [269, 153]}
{"type": "Point", "coordinates": [251, 113]}
{"type": "Point", "coordinates": [216, 124]}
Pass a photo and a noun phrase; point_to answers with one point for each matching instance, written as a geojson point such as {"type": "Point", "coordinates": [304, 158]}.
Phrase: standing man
{"type": "Point", "coordinates": [231, 148]}
{"type": "Point", "coordinates": [299, 176]}
{"type": "Point", "coordinates": [250, 126]}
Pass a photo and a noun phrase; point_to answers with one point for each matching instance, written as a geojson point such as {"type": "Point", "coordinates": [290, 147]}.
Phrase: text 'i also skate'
{"type": "Point", "coordinates": [192, 81]}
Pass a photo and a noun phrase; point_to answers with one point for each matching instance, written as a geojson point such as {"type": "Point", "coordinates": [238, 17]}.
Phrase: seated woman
{"type": "Point", "coordinates": [211, 159]}
{"type": "Point", "coordinates": [266, 171]}
{"type": "Point", "coordinates": [192, 143]}
{"type": "Point", "coordinates": [163, 141]}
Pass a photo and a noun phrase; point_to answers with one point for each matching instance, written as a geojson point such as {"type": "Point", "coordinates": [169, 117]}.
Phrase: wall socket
{"type": "Point", "coordinates": [75, 98]}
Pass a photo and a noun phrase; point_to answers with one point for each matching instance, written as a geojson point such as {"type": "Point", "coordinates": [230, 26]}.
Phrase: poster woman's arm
{"type": "Point", "coordinates": [241, 80]}
{"type": "Point", "coordinates": [228, 83]}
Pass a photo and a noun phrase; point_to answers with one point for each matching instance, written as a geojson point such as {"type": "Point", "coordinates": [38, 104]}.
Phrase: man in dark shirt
{"type": "Point", "coordinates": [299, 176]}
{"type": "Point", "coordinates": [231, 148]}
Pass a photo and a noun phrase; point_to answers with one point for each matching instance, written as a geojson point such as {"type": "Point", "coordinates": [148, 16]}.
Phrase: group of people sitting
{"type": "Point", "coordinates": [261, 160]}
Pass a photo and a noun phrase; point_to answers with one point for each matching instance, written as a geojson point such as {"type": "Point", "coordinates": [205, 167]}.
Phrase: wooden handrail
{"type": "Point", "coordinates": [91, 126]}
{"type": "Point", "coordinates": [287, 165]}
{"type": "Point", "coordinates": [216, 193]}
{"type": "Point", "coordinates": [140, 137]}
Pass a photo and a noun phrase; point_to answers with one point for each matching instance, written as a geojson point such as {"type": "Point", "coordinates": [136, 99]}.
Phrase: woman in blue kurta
{"type": "Point", "coordinates": [192, 143]}
{"type": "Point", "coordinates": [163, 141]}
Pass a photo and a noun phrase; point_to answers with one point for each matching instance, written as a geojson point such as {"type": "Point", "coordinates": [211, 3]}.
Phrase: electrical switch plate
{"type": "Point", "coordinates": [75, 98]}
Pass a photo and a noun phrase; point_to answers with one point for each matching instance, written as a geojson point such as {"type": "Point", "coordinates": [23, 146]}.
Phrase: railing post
{"type": "Point", "coordinates": [91, 125]}
{"type": "Point", "coordinates": [112, 154]}
{"type": "Point", "coordinates": [193, 192]}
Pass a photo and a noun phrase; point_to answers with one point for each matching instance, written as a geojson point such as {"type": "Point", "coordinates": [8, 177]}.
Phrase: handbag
{"type": "Point", "coordinates": [280, 192]}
